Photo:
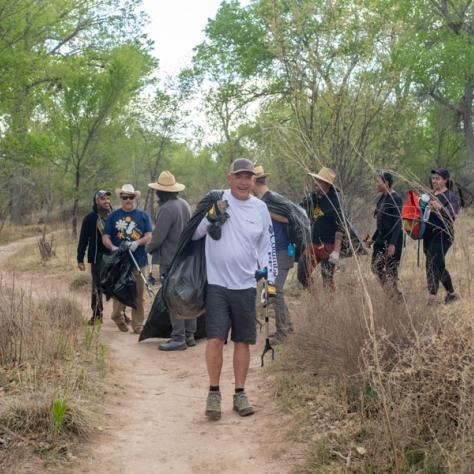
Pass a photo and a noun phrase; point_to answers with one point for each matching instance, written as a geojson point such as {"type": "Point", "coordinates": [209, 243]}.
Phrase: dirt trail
{"type": "Point", "coordinates": [154, 409]}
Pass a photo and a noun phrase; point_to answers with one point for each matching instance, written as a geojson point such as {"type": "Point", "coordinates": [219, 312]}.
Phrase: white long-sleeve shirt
{"type": "Point", "coordinates": [247, 243]}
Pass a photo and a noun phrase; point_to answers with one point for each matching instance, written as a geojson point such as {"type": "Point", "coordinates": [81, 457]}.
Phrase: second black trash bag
{"type": "Point", "coordinates": [116, 277]}
{"type": "Point", "coordinates": [299, 225]}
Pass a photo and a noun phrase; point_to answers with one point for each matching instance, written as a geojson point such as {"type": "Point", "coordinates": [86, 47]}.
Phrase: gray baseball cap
{"type": "Point", "coordinates": [241, 165]}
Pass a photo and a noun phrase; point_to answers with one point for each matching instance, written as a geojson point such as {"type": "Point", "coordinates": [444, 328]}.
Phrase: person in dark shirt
{"type": "Point", "coordinates": [90, 239]}
{"type": "Point", "coordinates": [133, 226]}
{"type": "Point", "coordinates": [285, 261]}
{"type": "Point", "coordinates": [438, 237]}
{"type": "Point", "coordinates": [388, 237]}
{"type": "Point", "coordinates": [327, 229]}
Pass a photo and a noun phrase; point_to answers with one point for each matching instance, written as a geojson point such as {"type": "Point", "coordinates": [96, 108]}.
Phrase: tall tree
{"type": "Point", "coordinates": [91, 102]}
{"type": "Point", "coordinates": [435, 47]}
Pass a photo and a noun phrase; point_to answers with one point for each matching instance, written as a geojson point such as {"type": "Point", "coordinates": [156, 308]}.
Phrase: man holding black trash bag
{"type": "Point", "coordinates": [173, 215]}
{"type": "Point", "coordinates": [133, 226]}
{"type": "Point", "coordinates": [239, 239]}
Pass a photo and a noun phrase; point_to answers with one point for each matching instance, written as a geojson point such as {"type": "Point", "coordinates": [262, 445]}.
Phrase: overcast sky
{"type": "Point", "coordinates": [176, 27]}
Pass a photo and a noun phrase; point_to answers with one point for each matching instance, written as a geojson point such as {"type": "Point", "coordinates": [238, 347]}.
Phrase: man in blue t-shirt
{"type": "Point", "coordinates": [284, 260]}
{"type": "Point", "coordinates": [132, 225]}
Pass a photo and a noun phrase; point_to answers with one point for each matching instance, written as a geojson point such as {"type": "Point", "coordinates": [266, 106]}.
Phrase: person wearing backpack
{"type": "Point", "coordinates": [285, 261]}
{"type": "Point", "coordinates": [438, 237]}
{"type": "Point", "coordinates": [387, 240]}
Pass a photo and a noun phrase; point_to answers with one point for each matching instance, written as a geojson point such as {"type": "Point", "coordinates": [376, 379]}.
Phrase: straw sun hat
{"type": "Point", "coordinates": [166, 182]}
{"type": "Point", "coordinates": [325, 174]}
{"type": "Point", "coordinates": [128, 189]}
{"type": "Point", "coordinates": [260, 172]}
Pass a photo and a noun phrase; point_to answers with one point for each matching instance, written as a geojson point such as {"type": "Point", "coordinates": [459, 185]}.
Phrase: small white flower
{"type": "Point", "coordinates": [121, 225]}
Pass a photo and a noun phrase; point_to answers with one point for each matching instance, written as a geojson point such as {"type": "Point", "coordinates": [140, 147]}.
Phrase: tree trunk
{"type": "Point", "coordinates": [17, 192]}
{"type": "Point", "coordinates": [75, 207]}
{"type": "Point", "coordinates": [467, 122]}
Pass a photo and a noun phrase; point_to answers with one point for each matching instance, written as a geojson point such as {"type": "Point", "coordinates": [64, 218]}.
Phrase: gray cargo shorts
{"type": "Point", "coordinates": [231, 309]}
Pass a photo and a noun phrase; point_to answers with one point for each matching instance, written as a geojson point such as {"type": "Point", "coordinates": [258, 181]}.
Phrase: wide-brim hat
{"type": "Point", "coordinates": [325, 174]}
{"type": "Point", "coordinates": [260, 172]}
{"type": "Point", "coordinates": [167, 183]}
{"type": "Point", "coordinates": [128, 189]}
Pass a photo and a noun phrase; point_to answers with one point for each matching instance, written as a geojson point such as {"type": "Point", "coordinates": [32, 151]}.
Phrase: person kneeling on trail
{"type": "Point", "coordinates": [438, 237]}
{"type": "Point", "coordinates": [284, 260]}
{"type": "Point", "coordinates": [388, 237]}
{"type": "Point", "coordinates": [239, 237]}
{"type": "Point", "coordinates": [133, 226]}
{"type": "Point", "coordinates": [90, 238]}
{"type": "Point", "coordinates": [327, 229]}
{"type": "Point", "coordinates": [173, 215]}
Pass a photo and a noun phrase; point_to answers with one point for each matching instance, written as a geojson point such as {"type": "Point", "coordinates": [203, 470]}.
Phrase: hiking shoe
{"type": "Point", "coordinates": [138, 330]}
{"type": "Point", "coordinates": [121, 325]}
{"type": "Point", "coordinates": [242, 405]}
{"type": "Point", "coordinates": [450, 297]}
{"type": "Point", "coordinates": [213, 405]}
{"type": "Point", "coordinates": [172, 346]}
{"type": "Point", "coordinates": [190, 341]}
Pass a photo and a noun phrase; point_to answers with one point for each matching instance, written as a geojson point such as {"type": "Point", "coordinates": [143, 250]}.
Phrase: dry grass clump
{"type": "Point", "coordinates": [430, 392]}
{"type": "Point", "coordinates": [51, 364]}
{"type": "Point", "coordinates": [47, 415]}
{"type": "Point", "coordinates": [39, 331]}
{"type": "Point", "coordinates": [393, 381]}
{"type": "Point", "coordinates": [81, 282]}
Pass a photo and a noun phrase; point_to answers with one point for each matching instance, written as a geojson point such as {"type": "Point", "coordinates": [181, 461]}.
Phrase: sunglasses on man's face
{"type": "Point", "coordinates": [125, 198]}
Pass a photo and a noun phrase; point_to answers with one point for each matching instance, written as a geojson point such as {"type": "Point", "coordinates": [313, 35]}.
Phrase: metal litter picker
{"type": "Point", "coordinates": [267, 347]}
{"type": "Point", "coordinates": [147, 284]}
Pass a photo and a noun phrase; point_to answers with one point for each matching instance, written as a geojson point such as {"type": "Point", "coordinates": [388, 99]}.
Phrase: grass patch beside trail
{"type": "Point", "coordinates": [12, 233]}
{"type": "Point", "coordinates": [52, 367]}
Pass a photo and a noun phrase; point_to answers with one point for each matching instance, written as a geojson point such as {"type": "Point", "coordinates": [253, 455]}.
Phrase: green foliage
{"type": "Point", "coordinates": [59, 411]}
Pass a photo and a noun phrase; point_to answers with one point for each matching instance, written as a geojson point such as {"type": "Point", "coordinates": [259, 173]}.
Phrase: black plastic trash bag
{"type": "Point", "coordinates": [185, 285]}
{"type": "Point", "coordinates": [116, 277]}
{"type": "Point", "coordinates": [299, 225]}
{"type": "Point", "coordinates": [184, 289]}
{"type": "Point", "coordinates": [158, 324]}
{"type": "Point", "coordinates": [173, 296]}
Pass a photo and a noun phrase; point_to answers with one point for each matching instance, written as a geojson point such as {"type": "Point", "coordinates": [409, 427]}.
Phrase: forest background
{"type": "Point", "coordinates": [359, 86]}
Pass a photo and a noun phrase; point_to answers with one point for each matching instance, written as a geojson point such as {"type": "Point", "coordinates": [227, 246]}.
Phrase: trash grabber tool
{"type": "Point", "coordinates": [267, 347]}
{"type": "Point", "coordinates": [150, 291]}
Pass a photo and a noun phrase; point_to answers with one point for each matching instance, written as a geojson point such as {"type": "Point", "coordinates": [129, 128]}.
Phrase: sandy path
{"type": "Point", "coordinates": [156, 422]}
{"type": "Point", "coordinates": [154, 409]}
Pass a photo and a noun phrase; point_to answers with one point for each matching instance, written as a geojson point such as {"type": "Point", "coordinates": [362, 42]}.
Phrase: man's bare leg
{"type": "Point", "coordinates": [241, 363]}
{"type": "Point", "coordinates": [214, 358]}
